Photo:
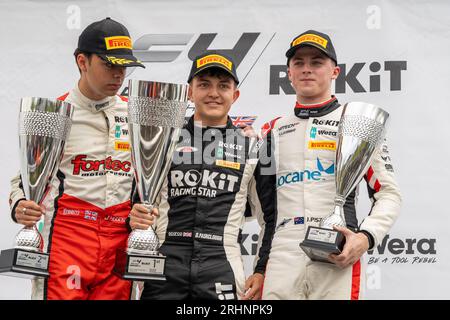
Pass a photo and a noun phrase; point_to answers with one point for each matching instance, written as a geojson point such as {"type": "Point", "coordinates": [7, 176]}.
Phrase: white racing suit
{"type": "Point", "coordinates": [305, 147]}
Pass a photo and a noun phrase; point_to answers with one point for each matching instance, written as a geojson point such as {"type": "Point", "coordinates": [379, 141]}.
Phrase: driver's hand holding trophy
{"type": "Point", "coordinates": [360, 133]}
{"type": "Point", "coordinates": [156, 113]}
{"type": "Point", "coordinates": [44, 126]}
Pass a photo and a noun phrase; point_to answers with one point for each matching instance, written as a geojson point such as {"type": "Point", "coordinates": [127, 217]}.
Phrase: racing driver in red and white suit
{"type": "Point", "coordinates": [89, 199]}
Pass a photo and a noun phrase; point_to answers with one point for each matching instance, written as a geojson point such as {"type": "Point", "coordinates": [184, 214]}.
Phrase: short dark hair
{"type": "Point", "coordinates": [78, 52]}
{"type": "Point", "coordinates": [216, 73]}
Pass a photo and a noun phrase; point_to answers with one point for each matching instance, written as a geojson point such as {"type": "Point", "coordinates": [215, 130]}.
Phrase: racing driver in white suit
{"type": "Point", "coordinates": [305, 146]}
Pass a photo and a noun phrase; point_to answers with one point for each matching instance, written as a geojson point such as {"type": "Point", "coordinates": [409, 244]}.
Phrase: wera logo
{"type": "Point", "coordinates": [246, 48]}
{"type": "Point", "coordinates": [407, 246]}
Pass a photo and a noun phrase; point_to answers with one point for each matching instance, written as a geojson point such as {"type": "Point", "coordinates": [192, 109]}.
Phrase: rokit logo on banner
{"type": "Point", "coordinates": [359, 77]}
{"type": "Point", "coordinates": [404, 251]}
{"type": "Point", "coordinates": [249, 244]}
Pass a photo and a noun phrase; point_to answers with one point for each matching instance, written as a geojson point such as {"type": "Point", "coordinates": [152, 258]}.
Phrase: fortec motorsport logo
{"type": "Point", "coordinates": [359, 77]}
{"type": "Point", "coordinates": [86, 167]}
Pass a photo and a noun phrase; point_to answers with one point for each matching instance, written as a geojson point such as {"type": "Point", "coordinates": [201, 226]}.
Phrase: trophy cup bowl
{"type": "Point", "coordinates": [360, 133]}
{"type": "Point", "coordinates": [44, 125]}
{"type": "Point", "coordinates": [156, 117]}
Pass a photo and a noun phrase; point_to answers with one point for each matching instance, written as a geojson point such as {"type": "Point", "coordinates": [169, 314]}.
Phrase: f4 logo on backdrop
{"type": "Point", "coordinates": [359, 77]}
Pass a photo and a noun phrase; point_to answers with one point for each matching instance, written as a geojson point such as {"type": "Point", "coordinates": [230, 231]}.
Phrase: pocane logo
{"type": "Point", "coordinates": [310, 38]}
{"type": "Point", "coordinates": [118, 42]}
{"type": "Point", "coordinates": [306, 175]}
{"type": "Point", "coordinates": [214, 58]}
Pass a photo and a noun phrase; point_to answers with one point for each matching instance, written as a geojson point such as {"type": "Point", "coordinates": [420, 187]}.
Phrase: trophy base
{"type": "Point", "coordinates": [139, 267]}
{"type": "Point", "coordinates": [24, 263]}
{"type": "Point", "coordinates": [319, 243]}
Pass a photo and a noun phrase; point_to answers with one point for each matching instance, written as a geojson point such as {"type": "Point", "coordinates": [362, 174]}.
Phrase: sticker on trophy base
{"type": "Point", "coordinates": [323, 235]}
{"type": "Point", "coordinates": [24, 264]}
{"type": "Point", "coordinates": [139, 267]}
{"type": "Point", "coordinates": [32, 259]}
{"type": "Point", "coordinates": [320, 242]}
{"type": "Point", "coordinates": [148, 265]}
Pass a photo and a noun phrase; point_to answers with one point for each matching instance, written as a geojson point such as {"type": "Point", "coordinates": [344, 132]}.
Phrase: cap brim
{"type": "Point", "coordinates": [214, 66]}
{"type": "Point", "coordinates": [122, 60]}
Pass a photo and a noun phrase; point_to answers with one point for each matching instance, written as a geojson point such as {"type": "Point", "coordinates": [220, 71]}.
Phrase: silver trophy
{"type": "Point", "coordinates": [360, 133]}
{"type": "Point", "coordinates": [156, 117]}
{"type": "Point", "coordinates": [44, 126]}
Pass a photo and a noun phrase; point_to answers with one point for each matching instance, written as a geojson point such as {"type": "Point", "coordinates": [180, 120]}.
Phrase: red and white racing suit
{"type": "Point", "coordinates": [305, 148]}
{"type": "Point", "coordinates": [87, 204]}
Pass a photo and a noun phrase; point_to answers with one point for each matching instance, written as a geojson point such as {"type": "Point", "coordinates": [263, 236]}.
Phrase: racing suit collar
{"type": "Point", "coordinates": [316, 110]}
{"type": "Point", "coordinates": [191, 123]}
{"type": "Point", "coordinates": [93, 105]}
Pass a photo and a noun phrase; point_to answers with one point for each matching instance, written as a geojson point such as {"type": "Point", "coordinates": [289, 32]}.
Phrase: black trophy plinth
{"type": "Point", "coordinates": [139, 267]}
{"type": "Point", "coordinates": [319, 243]}
{"type": "Point", "coordinates": [23, 263]}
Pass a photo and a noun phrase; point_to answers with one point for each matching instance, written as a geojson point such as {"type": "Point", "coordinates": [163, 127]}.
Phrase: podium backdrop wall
{"type": "Point", "coordinates": [392, 53]}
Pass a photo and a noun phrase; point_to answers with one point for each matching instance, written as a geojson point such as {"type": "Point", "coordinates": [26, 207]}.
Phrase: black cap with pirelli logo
{"type": "Point", "coordinates": [111, 41]}
{"type": "Point", "coordinates": [315, 39]}
{"type": "Point", "coordinates": [213, 59]}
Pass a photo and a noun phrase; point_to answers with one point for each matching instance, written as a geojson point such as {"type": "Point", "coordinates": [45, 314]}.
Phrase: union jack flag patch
{"type": "Point", "coordinates": [242, 121]}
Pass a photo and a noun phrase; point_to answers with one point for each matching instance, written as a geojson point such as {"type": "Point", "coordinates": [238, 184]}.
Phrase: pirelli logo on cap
{"type": "Point", "coordinates": [122, 146]}
{"type": "Point", "coordinates": [118, 42]}
{"type": "Point", "coordinates": [323, 145]}
{"type": "Point", "coordinates": [228, 164]}
{"type": "Point", "coordinates": [310, 38]}
{"type": "Point", "coordinates": [214, 58]}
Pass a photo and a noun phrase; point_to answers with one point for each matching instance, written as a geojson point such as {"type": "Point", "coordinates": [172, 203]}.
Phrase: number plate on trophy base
{"type": "Point", "coordinates": [320, 242]}
{"type": "Point", "coordinates": [24, 264]}
{"type": "Point", "coordinates": [139, 267]}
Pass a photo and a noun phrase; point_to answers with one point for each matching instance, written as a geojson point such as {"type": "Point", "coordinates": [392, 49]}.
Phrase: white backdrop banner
{"type": "Point", "coordinates": [392, 53]}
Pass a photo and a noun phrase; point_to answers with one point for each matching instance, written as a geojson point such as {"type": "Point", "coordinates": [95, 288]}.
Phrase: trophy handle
{"type": "Point", "coordinates": [336, 218]}
{"type": "Point", "coordinates": [150, 207]}
{"type": "Point", "coordinates": [145, 242]}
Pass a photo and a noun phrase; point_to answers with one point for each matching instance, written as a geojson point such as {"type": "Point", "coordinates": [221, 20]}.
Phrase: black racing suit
{"type": "Point", "coordinates": [201, 207]}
